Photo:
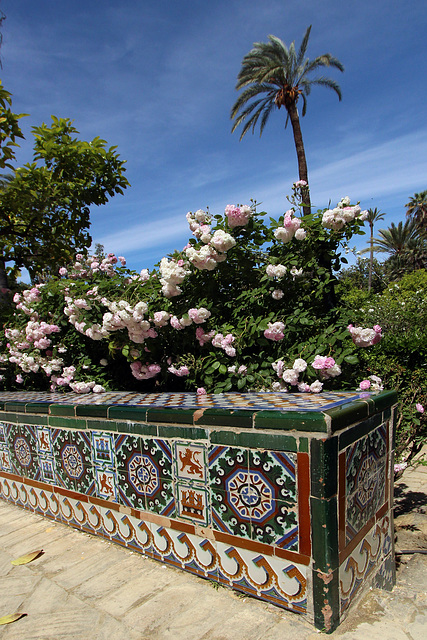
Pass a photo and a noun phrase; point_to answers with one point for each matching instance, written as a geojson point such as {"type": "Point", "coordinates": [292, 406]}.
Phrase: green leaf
{"type": "Point", "coordinates": [352, 359]}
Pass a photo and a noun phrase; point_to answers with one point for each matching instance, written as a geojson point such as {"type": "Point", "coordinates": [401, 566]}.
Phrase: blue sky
{"type": "Point", "coordinates": [157, 79]}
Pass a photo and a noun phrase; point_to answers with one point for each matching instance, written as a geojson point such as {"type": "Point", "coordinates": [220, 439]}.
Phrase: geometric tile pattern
{"type": "Point", "coordinates": [246, 514]}
{"type": "Point", "coordinates": [364, 561]}
{"type": "Point", "coordinates": [273, 579]}
{"type": "Point", "coordinates": [365, 480]}
{"type": "Point", "coordinates": [254, 494]}
{"type": "Point", "coordinates": [259, 400]}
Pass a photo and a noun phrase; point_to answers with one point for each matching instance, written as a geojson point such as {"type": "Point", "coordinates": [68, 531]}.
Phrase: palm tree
{"type": "Point", "coordinates": [416, 208]}
{"type": "Point", "coordinates": [374, 215]}
{"type": "Point", "coordinates": [284, 76]}
{"type": "Point", "coordinates": [406, 248]}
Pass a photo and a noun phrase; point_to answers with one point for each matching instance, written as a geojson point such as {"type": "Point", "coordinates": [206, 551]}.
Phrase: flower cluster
{"type": "Point", "coordinates": [172, 274]}
{"type": "Point", "coordinates": [277, 271]}
{"type": "Point", "coordinates": [144, 372]}
{"type": "Point", "coordinates": [291, 376]}
{"type": "Point", "coordinates": [224, 342]}
{"type": "Point", "coordinates": [291, 228]}
{"type": "Point", "coordinates": [373, 383]}
{"type": "Point", "coordinates": [365, 337]}
{"type": "Point", "coordinates": [326, 366]}
{"type": "Point", "coordinates": [274, 331]}
{"type": "Point", "coordinates": [116, 316]}
{"type": "Point", "coordinates": [343, 213]}
{"type": "Point", "coordinates": [199, 224]}
{"type": "Point", "coordinates": [238, 216]}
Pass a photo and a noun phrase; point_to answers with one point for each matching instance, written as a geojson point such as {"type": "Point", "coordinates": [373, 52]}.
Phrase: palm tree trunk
{"type": "Point", "coordinates": [302, 162]}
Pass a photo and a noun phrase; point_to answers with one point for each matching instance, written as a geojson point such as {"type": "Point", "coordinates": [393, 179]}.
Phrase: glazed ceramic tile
{"type": "Point", "coordinates": [229, 501]}
{"type": "Point", "coordinates": [365, 480]}
{"type": "Point", "coordinates": [103, 449]}
{"type": "Point", "coordinates": [157, 452]}
{"type": "Point", "coordinates": [106, 483]}
{"type": "Point", "coordinates": [258, 401]}
{"type": "Point", "coordinates": [131, 485]}
{"type": "Point", "coordinates": [192, 503]}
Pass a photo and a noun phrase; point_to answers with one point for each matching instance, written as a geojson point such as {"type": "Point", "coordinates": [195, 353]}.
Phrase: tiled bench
{"type": "Point", "coordinates": [286, 497]}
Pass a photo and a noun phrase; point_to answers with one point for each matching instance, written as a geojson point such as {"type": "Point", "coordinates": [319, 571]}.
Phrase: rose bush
{"type": "Point", "coordinates": [210, 317]}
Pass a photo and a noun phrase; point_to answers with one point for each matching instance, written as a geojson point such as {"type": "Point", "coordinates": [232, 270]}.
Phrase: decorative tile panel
{"type": "Point", "coordinates": [231, 501]}
{"type": "Point", "coordinates": [365, 480]}
{"type": "Point", "coordinates": [364, 561]}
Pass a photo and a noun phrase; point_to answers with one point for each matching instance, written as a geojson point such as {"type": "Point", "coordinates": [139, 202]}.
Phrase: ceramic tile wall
{"type": "Point", "coordinates": [223, 511]}
{"type": "Point", "coordinates": [260, 501]}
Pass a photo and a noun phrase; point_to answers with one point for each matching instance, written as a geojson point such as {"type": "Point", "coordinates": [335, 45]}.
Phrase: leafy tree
{"type": "Point", "coordinates": [357, 277]}
{"type": "Point", "coordinates": [416, 209]}
{"type": "Point", "coordinates": [45, 205]}
{"type": "Point", "coordinates": [280, 75]}
{"type": "Point", "coordinates": [9, 129]}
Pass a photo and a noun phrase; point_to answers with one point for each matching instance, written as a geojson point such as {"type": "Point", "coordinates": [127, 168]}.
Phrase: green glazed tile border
{"type": "Point", "coordinates": [346, 415]}
{"type": "Point", "coordinates": [356, 432]}
{"type": "Point", "coordinates": [303, 445]}
{"type": "Point", "coordinates": [92, 410]}
{"type": "Point", "coordinates": [127, 413]}
{"type": "Point", "coordinates": [40, 420]}
{"type": "Point", "coordinates": [324, 467]}
{"type": "Point", "coordinates": [137, 428]}
{"type": "Point", "coordinates": [102, 425]}
{"type": "Point", "coordinates": [19, 407]}
{"type": "Point", "coordinates": [385, 399]}
{"type": "Point", "coordinates": [69, 423]}
{"type": "Point", "coordinates": [291, 421]}
{"type": "Point", "coordinates": [324, 538]}
{"type": "Point", "coordinates": [171, 416]}
{"type": "Point", "coordinates": [254, 440]}
{"type": "Point", "coordinates": [37, 407]}
{"type": "Point", "coordinates": [62, 410]}
{"type": "Point", "coordinates": [326, 592]}
{"type": "Point", "coordinates": [225, 418]}
{"type": "Point", "coordinates": [5, 416]}
{"type": "Point", "coordinates": [387, 414]}
{"type": "Point", "coordinates": [186, 433]}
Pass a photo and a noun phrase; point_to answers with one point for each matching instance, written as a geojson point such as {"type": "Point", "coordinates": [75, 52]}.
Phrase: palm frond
{"type": "Point", "coordinates": [303, 47]}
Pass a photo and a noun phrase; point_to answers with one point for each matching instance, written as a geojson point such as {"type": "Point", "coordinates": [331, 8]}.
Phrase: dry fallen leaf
{"type": "Point", "coordinates": [29, 557]}
{"type": "Point", "coordinates": [11, 617]}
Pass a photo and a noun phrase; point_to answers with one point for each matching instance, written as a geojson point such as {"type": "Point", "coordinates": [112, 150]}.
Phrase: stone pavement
{"type": "Point", "coordinates": [85, 588]}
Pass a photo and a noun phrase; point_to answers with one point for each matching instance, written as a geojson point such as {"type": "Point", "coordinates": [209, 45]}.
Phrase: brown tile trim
{"type": "Point", "coordinates": [12, 476]}
{"type": "Point", "coordinates": [341, 501]}
{"type": "Point", "coordinates": [291, 555]}
{"type": "Point", "coordinates": [260, 547]}
{"type": "Point", "coordinates": [183, 526]}
{"type": "Point", "coordinates": [381, 512]}
{"type": "Point", "coordinates": [357, 538]}
{"type": "Point", "coordinates": [304, 528]}
{"type": "Point", "coordinates": [37, 484]}
{"type": "Point", "coordinates": [69, 494]}
{"type": "Point", "coordinates": [243, 543]}
{"type": "Point", "coordinates": [114, 506]}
